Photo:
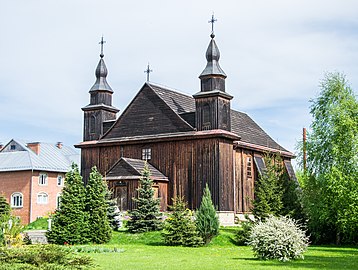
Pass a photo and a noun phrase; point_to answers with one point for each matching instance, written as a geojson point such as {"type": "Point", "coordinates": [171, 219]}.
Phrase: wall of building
{"type": "Point", "coordinates": [20, 181]}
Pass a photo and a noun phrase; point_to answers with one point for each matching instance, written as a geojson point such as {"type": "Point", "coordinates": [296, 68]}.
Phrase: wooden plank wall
{"type": "Point", "coordinates": [189, 165]}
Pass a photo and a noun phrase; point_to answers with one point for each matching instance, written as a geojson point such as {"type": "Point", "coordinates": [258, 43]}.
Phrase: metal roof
{"type": "Point", "coordinates": [50, 157]}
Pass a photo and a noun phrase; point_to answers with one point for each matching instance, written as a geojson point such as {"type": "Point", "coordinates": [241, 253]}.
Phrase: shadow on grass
{"type": "Point", "coordinates": [309, 262]}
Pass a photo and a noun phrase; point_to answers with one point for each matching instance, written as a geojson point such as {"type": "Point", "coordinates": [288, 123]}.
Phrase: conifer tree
{"type": "Point", "coordinates": [96, 207]}
{"type": "Point", "coordinates": [147, 216]}
{"type": "Point", "coordinates": [112, 211]}
{"type": "Point", "coordinates": [4, 206]}
{"type": "Point", "coordinates": [179, 227]}
{"type": "Point", "coordinates": [269, 189]}
{"type": "Point", "coordinates": [70, 221]}
{"type": "Point", "coordinates": [207, 220]}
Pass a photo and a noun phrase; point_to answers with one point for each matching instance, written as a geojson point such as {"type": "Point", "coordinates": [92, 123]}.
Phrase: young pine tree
{"type": "Point", "coordinates": [112, 211]}
{"type": "Point", "coordinates": [147, 216]}
{"type": "Point", "coordinates": [269, 189]}
{"type": "Point", "coordinates": [207, 220]}
{"type": "Point", "coordinates": [4, 206]}
{"type": "Point", "coordinates": [96, 206]}
{"type": "Point", "coordinates": [179, 228]}
{"type": "Point", "coordinates": [70, 221]}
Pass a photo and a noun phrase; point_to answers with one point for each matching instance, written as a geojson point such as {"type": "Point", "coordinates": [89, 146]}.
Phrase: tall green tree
{"type": "Point", "coordinates": [331, 180]}
{"type": "Point", "coordinates": [96, 206]}
{"type": "Point", "coordinates": [70, 221]}
{"type": "Point", "coordinates": [269, 189]}
{"type": "Point", "coordinates": [207, 221]}
{"type": "Point", "coordinates": [4, 206]}
{"type": "Point", "coordinates": [146, 217]}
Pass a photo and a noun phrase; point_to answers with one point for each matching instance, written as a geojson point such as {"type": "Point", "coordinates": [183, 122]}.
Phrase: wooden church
{"type": "Point", "coordinates": [188, 141]}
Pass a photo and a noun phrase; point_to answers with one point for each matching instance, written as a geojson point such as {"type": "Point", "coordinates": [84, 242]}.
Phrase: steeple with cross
{"type": "Point", "coordinates": [148, 71]}
{"type": "Point", "coordinates": [212, 102]}
{"type": "Point", "coordinates": [100, 110]}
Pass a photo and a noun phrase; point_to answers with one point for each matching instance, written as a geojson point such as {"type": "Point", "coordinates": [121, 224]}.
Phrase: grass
{"type": "Point", "coordinates": [38, 224]}
{"type": "Point", "coordinates": [147, 251]}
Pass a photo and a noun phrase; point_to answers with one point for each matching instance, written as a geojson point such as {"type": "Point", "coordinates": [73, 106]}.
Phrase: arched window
{"type": "Point", "coordinates": [225, 114]}
{"type": "Point", "coordinates": [60, 180]}
{"type": "Point", "coordinates": [17, 200]}
{"type": "Point", "coordinates": [42, 198]}
{"type": "Point", "coordinates": [92, 124]}
{"type": "Point", "coordinates": [206, 114]}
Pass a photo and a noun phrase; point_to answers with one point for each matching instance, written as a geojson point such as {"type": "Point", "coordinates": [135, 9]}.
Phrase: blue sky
{"type": "Point", "coordinates": [274, 52]}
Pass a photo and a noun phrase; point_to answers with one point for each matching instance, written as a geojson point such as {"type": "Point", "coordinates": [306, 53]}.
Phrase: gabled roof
{"type": "Point", "coordinates": [241, 124]}
{"type": "Point", "coordinates": [50, 158]}
{"type": "Point", "coordinates": [128, 168]}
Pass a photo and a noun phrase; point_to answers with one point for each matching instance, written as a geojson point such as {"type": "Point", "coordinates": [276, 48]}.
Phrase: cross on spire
{"type": "Point", "coordinates": [148, 70]}
{"type": "Point", "coordinates": [212, 21]}
{"type": "Point", "coordinates": [102, 42]}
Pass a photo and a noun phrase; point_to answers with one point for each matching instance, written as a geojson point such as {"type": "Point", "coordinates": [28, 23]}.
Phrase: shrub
{"type": "Point", "coordinates": [207, 221]}
{"type": "Point", "coordinates": [243, 232]}
{"type": "Point", "coordinates": [11, 229]}
{"type": "Point", "coordinates": [179, 227]}
{"type": "Point", "coordinates": [4, 206]}
{"type": "Point", "coordinates": [43, 257]}
{"type": "Point", "coordinates": [278, 238]}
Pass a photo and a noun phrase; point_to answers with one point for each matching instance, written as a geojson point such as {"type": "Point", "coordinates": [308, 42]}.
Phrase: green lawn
{"type": "Point", "coordinates": [147, 251]}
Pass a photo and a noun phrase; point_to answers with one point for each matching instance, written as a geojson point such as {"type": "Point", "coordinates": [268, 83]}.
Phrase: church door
{"type": "Point", "coordinates": [121, 195]}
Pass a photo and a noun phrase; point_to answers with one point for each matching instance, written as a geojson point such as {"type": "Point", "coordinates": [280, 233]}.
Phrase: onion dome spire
{"type": "Point", "coordinates": [101, 74]}
{"type": "Point", "coordinates": [212, 56]}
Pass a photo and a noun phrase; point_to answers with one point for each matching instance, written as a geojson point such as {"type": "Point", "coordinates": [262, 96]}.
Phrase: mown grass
{"type": "Point", "coordinates": [147, 251]}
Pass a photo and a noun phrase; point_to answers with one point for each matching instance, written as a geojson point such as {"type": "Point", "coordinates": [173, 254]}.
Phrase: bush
{"type": "Point", "coordinates": [11, 229]}
{"type": "Point", "coordinates": [278, 238]}
{"type": "Point", "coordinates": [43, 257]}
{"type": "Point", "coordinates": [179, 227]}
{"type": "Point", "coordinates": [207, 221]}
{"type": "Point", "coordinates": [243, 233]}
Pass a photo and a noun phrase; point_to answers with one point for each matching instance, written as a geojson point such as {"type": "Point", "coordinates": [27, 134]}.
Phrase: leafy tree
{"type": "Point", "coordinates": [269, 189]}
{"type": "Point", "coordinates": [331, 180]}
{"type": "Point", "coordinates": [112, 211]}
{"type": "Point", "coordinates": [70, 221]}
{"type": "Point", "coordinates": [147, 216]}
{"type": "Point", "coordinates": [96, 207]}
{"type": "Point", "coordinates": [179, 227]}
{"type": "Point", "coordinates": [4, 206]}
{"type": "Point", "coordinates": [207, 220]}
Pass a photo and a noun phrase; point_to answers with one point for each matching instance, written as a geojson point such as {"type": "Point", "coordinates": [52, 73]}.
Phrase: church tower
{"type": "Point", "coordinates": [100, 113]}
{"type": "Point", "coordinates": [212, 102]}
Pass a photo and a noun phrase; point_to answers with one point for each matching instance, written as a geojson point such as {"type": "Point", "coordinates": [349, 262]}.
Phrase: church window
{"type": "Point", "coordinates": [249, 167]}
{"type": "Point", "coordinates": [225, 115]}
{"type": "Point", "coordinates": [206, 117]}
{"type": "Point", "coordinates": [43, 179]}
{"type": "Point", "coordinates": [146, 154]}
{"type": "Point", "coordinates": [42, 198]}
{"type": "Point", "coordinates": [17, 200]}
{"type": "Point", "coordinates": [13, 147]}
{"type": "Point", "coordinates": [92, 125]}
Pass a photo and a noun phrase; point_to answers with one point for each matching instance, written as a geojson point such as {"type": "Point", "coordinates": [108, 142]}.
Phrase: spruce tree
{"type": "Point", "coordinates": [112, 211]}
{"type": "Point", "coordinates": [179, 227]}
{"type": "Point", "coordinates": [147, 216]}
{"type": "Point", "coordinates": [4, 206]}
{"type": "Point", "coordinates": [96, 206]}
{"type": "Point", "coordinates": [207, 220]}
{"type": "Point", "coordinates": [269, 189]}
{"type": "Point", "coordinates": [70, 221]}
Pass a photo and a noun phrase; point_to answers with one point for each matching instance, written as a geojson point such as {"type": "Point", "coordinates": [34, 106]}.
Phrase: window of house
{"type": "Point", "coordinates": [146, 154]}
{"type": "Point", "coordinates": [58, 200]}
{"type": "Point", "coordinates": [13, 147]}
{"type": "Point", "coordinates": [249, 166]}
{"type": "Point", "coordinates": [17, 199]}
{"type": "Point", "coordinates": [60, 180]}
{"type": "Point", "coordinates": [42, 198]}
{"type": "Point", "coordinates": [43, 179]}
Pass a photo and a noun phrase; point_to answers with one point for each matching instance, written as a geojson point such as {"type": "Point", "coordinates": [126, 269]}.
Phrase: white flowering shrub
{"type": "Point", "coordinates": [278, 238]}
